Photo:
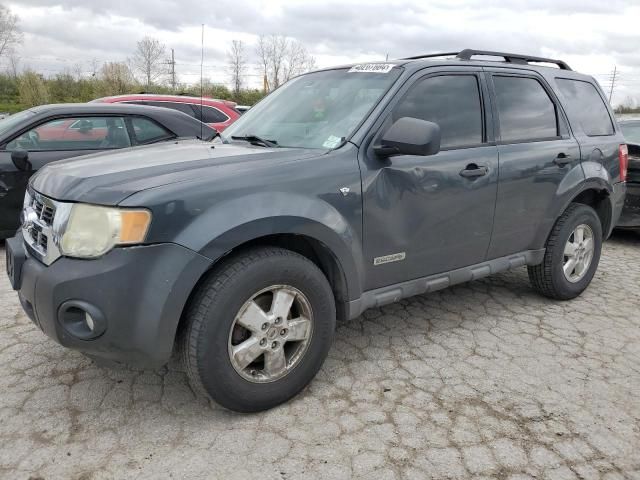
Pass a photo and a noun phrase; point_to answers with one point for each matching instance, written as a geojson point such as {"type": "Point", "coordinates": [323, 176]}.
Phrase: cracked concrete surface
{"type": "Point", "coordinates": [484, 380]}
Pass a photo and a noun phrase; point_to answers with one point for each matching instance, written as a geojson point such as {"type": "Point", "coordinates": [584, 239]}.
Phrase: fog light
{"type": "Point", "coordinates": [81, 319]}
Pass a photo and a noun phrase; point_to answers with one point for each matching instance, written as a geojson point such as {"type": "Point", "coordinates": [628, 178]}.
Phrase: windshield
{"type": "Point", "coordinates": [631, 132]}
{"type": "Point", "coordinates": [8, 123]}
{"type": "Point", "coordinates": [316, 110]}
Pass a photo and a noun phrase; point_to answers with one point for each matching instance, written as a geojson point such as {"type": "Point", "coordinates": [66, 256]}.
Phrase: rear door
{"type": "Point", "coordinates": [536, 153]}
{"type": "Point", "coordinates": [426, 214]}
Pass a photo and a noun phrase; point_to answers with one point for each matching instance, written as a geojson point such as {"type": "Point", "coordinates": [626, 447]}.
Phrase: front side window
{"type": "Point", "coordinates": [586, 104]}
{"type": "Point", "coordinates": [525, 110]}
{"type": "Point", "coordinates": [74, 133]}
{"type": "Point", "coordinates": [148, 131]}
{"type": "Point", "coordinates": [451, 101]}
{"type": "Point", "coordinates": [316, 110]}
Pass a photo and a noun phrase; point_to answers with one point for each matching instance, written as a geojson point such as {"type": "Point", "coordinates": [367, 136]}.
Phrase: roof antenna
{"type": "Point", "coordinates": [201, 80]}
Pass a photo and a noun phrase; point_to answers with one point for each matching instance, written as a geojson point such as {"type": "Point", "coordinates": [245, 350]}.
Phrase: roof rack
{"type": "Point", "coordinates": [468, 53]}
{"type": "Point", "coordinates": [432, 55]}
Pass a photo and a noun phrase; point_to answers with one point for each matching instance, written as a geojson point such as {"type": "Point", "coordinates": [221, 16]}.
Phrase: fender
{"type": "Point", "coordinates": [226, 225]}
{"type": "Point", "coordinates": [595, 177]}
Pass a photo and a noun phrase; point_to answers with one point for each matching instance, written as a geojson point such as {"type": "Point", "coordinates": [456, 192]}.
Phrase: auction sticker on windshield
{"type": "Point", "coordinates": [372, 68]}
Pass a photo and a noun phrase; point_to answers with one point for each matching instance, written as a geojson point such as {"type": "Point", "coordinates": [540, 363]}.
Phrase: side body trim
{"type": "Point", "coordinates": [393, 293]}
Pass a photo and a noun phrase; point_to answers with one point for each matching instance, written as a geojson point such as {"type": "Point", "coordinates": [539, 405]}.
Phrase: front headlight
{"type": "Point", "coordinates": [92, 230]}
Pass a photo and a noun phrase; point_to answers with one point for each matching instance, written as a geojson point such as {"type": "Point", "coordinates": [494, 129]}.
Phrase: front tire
{"type": "Point", "coordinates": [258, 329]}
{"type": "Point", "coordinates": [572, 254]}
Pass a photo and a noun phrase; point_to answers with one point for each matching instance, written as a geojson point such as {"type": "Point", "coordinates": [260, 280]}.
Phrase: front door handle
{"type": "Point", "coordinates": [472, 170]}
{"type": "Point", "coordinates": [562, 159]}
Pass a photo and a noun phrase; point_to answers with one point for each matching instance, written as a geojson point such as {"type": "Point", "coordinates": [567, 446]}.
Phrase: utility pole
{"type": "Point", "coordinates": [613, 81]}
{"type": "Point", "coordinates": [173, 71]}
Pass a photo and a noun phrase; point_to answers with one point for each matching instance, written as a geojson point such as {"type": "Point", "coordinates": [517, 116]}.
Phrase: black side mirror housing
{"type": "Point", "coordinates": [20, 159]}
{"type": "Point", "coordinates": [410, 136]}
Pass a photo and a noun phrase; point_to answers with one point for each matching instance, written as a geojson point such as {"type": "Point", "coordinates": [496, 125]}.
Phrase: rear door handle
{"type": "Point", "coordinates": [562, 159]}
{"type": "Point", "coordinates": [472, 170]}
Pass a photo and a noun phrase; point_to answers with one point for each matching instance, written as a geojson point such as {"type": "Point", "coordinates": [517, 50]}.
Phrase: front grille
{"type": "Point", "coordinates": [44, 212]}
{"type": "Point", "coordinates": [37, 226]}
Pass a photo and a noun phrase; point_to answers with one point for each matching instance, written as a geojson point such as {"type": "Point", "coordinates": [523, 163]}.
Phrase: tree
{"type": "Point", "coordinates": [14, 65]}
{"type": "Point", "coordinates": [149, 60]}
{"type": "Point", "coordinates": [262, 50]}
{"type": "Point", "coordinates": [237, 65]}
{"type": "Point", "coordinates": [281, 59]}
{"type": "Point", "coordinates": [116, 78]}
{"type": "Point", "coordinates": [32, 89]}
{"type": "Point", "coordinates": [10, 35]}
{"type": "Point", "coordinates": [297, 60]}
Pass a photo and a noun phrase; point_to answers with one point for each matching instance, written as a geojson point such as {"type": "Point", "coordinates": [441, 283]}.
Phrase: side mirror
{"type": "Point", "coordinates": [20, 159]}
{"type": "Point", "coordinates": [85, 126]}
{"type": "Point", "coordinates": [410, 136]}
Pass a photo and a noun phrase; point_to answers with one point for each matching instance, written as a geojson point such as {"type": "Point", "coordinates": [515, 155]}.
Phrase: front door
{"type": "Point", "coordinates": [429, 214]}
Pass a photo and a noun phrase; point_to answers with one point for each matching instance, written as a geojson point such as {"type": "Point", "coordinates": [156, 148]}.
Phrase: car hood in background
{"type": "Point", "coordinates": [108, 178]}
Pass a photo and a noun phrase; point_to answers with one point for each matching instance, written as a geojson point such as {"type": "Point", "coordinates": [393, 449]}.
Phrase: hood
{"type": "Point", "coordinates": [108, 178]}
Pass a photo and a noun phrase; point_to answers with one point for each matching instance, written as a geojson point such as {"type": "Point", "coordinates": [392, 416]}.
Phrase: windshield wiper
{"type": "Point", "coordinates": [256, 140]}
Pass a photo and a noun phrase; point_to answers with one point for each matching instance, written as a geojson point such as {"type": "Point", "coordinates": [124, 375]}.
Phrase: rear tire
{"type": "Point", "coordinates": [237, 315]}
{"type": "Point", "coordinates": [572, 254]}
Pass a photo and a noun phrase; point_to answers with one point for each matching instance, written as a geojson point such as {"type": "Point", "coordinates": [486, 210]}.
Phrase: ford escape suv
{"type": "Point", "coordinates": [345, 189]}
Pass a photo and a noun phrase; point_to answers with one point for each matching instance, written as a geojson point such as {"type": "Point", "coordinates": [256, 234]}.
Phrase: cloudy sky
{"type": "Point", "coordinates": [591, 35]}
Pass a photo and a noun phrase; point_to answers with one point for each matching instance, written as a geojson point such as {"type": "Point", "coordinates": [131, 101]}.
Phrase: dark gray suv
{"type": "Point", "coordinates": [345, 189]}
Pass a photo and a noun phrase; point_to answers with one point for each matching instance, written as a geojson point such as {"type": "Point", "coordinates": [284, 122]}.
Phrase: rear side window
{"type": "Point", "coordinates": [586, 104]}
{"type": "Point", "coordinates": [210, 114]}
{"type": "Point", "coordinates": [148, 131]}
{"type": "Point", "coordinates": [525, 110]}
{"type": "Point", "coordinates": [451, 101]}
{"type": "Point", "coordinates": [181, 107]}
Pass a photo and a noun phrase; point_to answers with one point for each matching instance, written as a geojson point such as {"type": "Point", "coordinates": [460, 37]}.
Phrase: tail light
{"type": "Point", "coordinates": [623, 157]}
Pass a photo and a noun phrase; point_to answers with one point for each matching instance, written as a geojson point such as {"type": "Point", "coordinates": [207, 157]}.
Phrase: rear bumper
{"type": "Point", "coordinates": [137, 294]}
{"type": "Point", "coordinates": [630, 217]}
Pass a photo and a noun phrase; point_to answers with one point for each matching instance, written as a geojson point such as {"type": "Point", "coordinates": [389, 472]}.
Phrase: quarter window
{"type": "Point", "coordinates": [586, 104]}
{"type": "Point", "coordinates": [451, 101]}
{"type": "Point", "coordinates": [525, 110]}
{"type": "Point", "coordinates": [148, 131]}
{"type": "Point", "coordinates": [74, 133]}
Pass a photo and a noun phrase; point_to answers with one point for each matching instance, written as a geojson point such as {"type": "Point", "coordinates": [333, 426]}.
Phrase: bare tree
{"type": "Point", "coordinates": [14, 65]}
{"type": "Point", "coordinates": [149, 60]}
{"type": "Point", "coordinates": [10, 34]}
{"type": "Point", "coordinates": [237, 64]}
{"type": "Point", "coordinates": [282, 58]}
{"type": "Point", "coordinates": [297, 60]}
{"type": "Point", "coordinates": [262, 50]}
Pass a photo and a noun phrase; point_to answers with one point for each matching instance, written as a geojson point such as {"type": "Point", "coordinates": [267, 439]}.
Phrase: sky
{"type": "Point", "coordinates": [592, 36]}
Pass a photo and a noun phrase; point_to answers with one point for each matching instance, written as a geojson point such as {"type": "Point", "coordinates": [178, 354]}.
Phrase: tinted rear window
{"type": "Point", "coordinates": [586, 105]}
{"type": "Point", "coordinates": [210, 114]}
{"type": "Point", "coordinates": [526, 112]}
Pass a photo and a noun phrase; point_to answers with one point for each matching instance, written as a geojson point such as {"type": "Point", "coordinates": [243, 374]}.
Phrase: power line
{"type": "Point", "coordinates": [613, 81]}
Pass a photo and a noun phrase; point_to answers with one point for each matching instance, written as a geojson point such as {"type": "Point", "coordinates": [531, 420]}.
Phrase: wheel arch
{"type": "Point", "coordinates": [317, 251]}
{"type": "Point", "coordinates": [595, 194]}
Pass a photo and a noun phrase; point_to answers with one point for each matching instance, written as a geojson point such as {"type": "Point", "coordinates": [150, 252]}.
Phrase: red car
{"type": "Point", "coordinates": [218, 114]}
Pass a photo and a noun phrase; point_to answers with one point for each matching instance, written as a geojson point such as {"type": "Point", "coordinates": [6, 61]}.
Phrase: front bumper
{"type": "Point", "coordinates": [139, 291]}
{"type": "Point", "coordinates": [630, 217]}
